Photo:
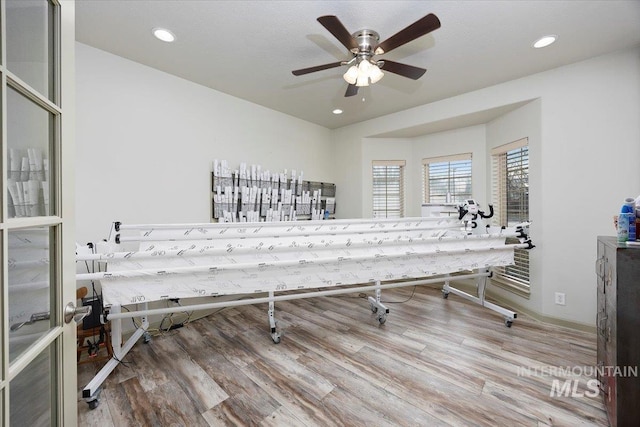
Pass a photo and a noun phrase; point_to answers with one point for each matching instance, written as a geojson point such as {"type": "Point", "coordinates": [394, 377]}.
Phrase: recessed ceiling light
{"type": "Point", "coordinates": [337, 111]}
{"type": "Point", "coordinates": [164, 35]}
{"type": "Point", "coordinates": [545, 41]}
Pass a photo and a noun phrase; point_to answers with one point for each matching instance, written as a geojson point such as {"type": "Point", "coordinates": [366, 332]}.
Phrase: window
{"type": "Point", "coordinates": [510, 176]}
{"type": "Point", "coordinates": [388, 188]}
{"type": "Point", "coordinates": [446, 179]}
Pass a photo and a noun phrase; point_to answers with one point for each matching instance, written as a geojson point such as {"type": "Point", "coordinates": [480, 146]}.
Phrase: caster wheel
{"type": "Point", "coordinates": [93, 404]}
{"type": "Point", "coordinates": [445, 295]}
{"type": "Point", "coordinates": [382, 319]}
{"type": "Point", "coordinates": [508, 323]}
{"type": "Point", "coordinates": [146, 337]}
{"type": "Point", "coordinates": [374, 309]}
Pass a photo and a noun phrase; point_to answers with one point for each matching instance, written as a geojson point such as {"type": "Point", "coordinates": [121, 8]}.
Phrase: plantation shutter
{"type": "Point", "coordinates": [447, 176]}
{"type": "Point", "coordinates": [510, 190]}
{"type": "Point", "coordinates": [388, 188]}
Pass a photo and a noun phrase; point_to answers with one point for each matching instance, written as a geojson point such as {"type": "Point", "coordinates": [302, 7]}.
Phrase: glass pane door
{"type": "Point", "coordinates": [38, 375]}
{"type": "Point", "coordinates": [30, 40]}
{"type": "Point", "coordinates": [30, 291]}
{"type": "Point", "coordinates": [30, 131]}
{"type": "Point", "coordinates": [32, 392]}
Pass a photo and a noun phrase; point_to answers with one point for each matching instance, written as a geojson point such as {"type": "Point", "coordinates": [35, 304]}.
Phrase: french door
{"type": "Point", "coordinates": [38, 376]}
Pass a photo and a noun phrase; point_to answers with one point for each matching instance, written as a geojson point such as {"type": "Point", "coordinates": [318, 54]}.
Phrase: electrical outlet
{"type": "Point", "coordinates": [560, 298]}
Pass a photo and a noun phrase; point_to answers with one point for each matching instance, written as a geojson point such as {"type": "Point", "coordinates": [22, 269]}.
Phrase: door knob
{"type": "Point", "coordinates": [76, 313]}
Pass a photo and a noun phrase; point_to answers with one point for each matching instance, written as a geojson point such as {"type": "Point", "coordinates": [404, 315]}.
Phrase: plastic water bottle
{"type": "Point", "coordinates": [629, 211]}
{"type": "Point", "coordinates": [623, 227]}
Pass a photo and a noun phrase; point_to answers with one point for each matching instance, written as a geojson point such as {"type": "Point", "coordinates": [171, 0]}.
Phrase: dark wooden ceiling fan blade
{"type": "Point", "coordinates": [419, 28]}
{"type": "Point", "coordinates": [335, 27]}
{"type": "Point", "coordinates": [403, 69]}
{"type": "Point", "coordinates": [352, 90]}
{"type": "Point", "coordinates": [316, 68]}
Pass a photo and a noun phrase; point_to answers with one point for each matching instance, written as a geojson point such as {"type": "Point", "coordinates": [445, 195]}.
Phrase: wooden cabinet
{"type": "Point", "coordinates": [618, 330]}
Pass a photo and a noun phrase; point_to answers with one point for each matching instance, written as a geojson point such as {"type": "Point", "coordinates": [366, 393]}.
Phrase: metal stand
{"type": "Point", "coordinates": [377, 306]}
{"type": "Point", "coordinates": [481, 284]}
{"type": "Point", "coordinates": [91, 392]}
{"type": "Point", "coordinates": [275, 335]}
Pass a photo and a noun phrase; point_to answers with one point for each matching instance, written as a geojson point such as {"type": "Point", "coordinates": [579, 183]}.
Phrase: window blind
{"type": "Point", "coordinates": [448, 175]}
{"type": "Point", "coordinates": [510, 190]}
{"type": "Point", "coordinates": [388, 189]}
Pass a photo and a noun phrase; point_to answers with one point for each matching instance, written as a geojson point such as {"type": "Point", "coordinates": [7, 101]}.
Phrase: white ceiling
{"type": "Point", "coordinates": [248, 48]}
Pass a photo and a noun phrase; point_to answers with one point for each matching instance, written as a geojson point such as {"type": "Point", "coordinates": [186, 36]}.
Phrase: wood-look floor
{"type": "Point", "coordinates": [434, 362]}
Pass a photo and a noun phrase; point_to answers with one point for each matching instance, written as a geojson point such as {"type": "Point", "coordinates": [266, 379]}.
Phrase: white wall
{"type": "Point", "coordinates": [525, 123]}
{"type": "Point", "coordinates": [146, 141]}
{"type": "Point", "coordinates": [413, 150]}
{"type": "Point", "coordinates": [585, 121]}
{"type": "Point", "coordinates": [471, 139]}
{"type": "Point", "coordinates": [349, 178]}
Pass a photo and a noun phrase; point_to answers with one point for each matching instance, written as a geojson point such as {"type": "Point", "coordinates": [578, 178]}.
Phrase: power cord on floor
{"type": "Point", "coordinates": [364, 296]}
{"type": "Point", "coordinates": [402, 302]}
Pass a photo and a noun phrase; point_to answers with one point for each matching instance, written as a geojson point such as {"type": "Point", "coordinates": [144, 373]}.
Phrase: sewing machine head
{"type": "Point", "coordinates": [471, 206]}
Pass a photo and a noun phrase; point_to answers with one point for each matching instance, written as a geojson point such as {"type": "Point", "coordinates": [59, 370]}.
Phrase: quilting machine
{"type": "Point", "coordinates": [272, 262]}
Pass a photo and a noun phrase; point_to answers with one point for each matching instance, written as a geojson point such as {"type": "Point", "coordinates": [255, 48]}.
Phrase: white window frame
{"type": "Point", "coordinates": [453, 196]}
{"type": "Point", "coordinates": [387, 190]}
{"type": "Point", "coordinates": [515, 278]}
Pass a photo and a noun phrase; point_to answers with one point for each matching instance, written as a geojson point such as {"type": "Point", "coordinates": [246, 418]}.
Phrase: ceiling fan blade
{"type": "Point", "coordinates": [352, 90]}
{"type": "Point", "coordinates": [335, 27]}
{"type": "Point", "coordinates": [403, 69]}
{"type": "Point", "coordinates": [316, 68]}
{"type": "Point", "coordinates": [417, 29]}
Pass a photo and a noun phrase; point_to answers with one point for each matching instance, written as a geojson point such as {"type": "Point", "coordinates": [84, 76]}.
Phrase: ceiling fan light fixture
{"type": "Point", "coordinates": [364, 66]}
{"type": "Point", "coordinates": [363, 80]}
{"type": "Point", "coordinates": [364, 44]}
{"type": "Point", "coordinates": [351, 75]}
{"type": "Point", "coordinates": [375, 74]}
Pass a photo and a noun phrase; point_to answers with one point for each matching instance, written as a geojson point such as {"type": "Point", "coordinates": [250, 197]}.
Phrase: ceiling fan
{"type": "Point", "coordinates": [364, 45]}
